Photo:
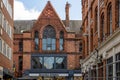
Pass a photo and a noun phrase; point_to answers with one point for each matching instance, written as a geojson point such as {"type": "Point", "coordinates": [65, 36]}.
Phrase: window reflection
{"type": "Point", "coordinates": [49, 62]}
{"type": "Point", "coordinates": [37, 62]}
{"type": "Point", "coordinates": [43, 62]}
{"type": "Point", "coordinates": [60, 63]}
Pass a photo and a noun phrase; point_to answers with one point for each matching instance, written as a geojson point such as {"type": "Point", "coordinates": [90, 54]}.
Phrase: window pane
{"type": "Point", "coordinates": [61, 41]}
{"type": "Point", "coordinates": [53, 41]}
{"type": "Point", "coordinates": [44, 41]}
{"type": "Point", "coordinates": [48, 62]}
{"type": "Point", "coordinates": [48, 47]}
{"type": "Point", "coordinates": [37, 62]}
{"type": "Point", "coordinates": [61, 44]}
{"type": "Point", "coordinates": [110, 68]}
{"type": "Point", "coordinates": [61, 47]}
{"type": "Point", "coordinates": [36, 40]}
{"type": "Point", "coordinates": [118, 66]}
{"type": "Point", "coordinates": [44, 47]}
{"type": "Point", "coordinates": [49, 41]}
{"type": "Point", "coordinates": [60, 63]}
{"type": "Point", "coordinates": [53, 47]}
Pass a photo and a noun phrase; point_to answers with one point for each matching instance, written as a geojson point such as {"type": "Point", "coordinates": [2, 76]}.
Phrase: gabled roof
{"type": "Point", "coordinates": [49, 13]}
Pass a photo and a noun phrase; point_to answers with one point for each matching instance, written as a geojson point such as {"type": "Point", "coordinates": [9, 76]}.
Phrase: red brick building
{"type": "Point", "coordinates": [48, 48]}
{"type": "Point", "coordinates": [6, 39]}
{"type": "Point", "coordinates": [101, 37]}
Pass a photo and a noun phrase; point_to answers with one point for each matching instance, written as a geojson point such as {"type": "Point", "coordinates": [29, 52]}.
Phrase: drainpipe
{"type": "Point", "coordinates": [98, 22]}
{"type": "Point", "coordinates": [89, 40]}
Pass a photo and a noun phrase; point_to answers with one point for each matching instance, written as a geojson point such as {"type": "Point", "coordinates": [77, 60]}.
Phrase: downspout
{"type": "Point", "coordinates": [98, 22]}
{"type": "Point", "coordinates": [89, 33]}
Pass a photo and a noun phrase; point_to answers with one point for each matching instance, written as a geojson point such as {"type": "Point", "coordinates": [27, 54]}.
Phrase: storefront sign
{"type": "Point", "coordinates": [48, 74]}
{"type": "Point", "coordinates": [34, 74]}
{"type": "Point", "coordinates": [77, 74]}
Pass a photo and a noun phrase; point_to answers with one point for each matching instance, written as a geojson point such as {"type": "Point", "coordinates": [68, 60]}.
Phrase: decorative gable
{"type": "Point", "coordinates": [49, 17]}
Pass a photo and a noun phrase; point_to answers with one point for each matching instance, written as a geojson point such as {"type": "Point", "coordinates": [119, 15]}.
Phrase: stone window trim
{"type": "Point", "coordinates": [109, 19]}
{"type": "Point", "coordinates": [96, 19]}
{"type": "Point", "coordinates": [102, 32]}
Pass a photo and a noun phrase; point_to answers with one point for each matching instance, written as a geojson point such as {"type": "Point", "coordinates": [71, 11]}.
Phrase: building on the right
{"type": "Point", "coordinates": [101, 35]}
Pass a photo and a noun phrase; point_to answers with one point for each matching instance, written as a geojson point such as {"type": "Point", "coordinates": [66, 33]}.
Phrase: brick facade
{"type": "Point", "coordinates": [90, 25]}
{"type": "Point", "coordinates": [6, 38]}
{"type": "Point", "coordinates": [100, 28]}
{"type": "Point", "coordinates": [48, 16]}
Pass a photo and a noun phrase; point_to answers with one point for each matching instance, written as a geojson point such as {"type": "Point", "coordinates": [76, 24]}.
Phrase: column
{"type": "Point", "coordinates": [104, 70]}
{"type": "Point", "coordinates": [114, 65]}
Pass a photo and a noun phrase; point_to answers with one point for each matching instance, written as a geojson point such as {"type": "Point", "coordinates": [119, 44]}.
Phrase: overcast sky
{"type": "Point", "coordinates": [31, 9]}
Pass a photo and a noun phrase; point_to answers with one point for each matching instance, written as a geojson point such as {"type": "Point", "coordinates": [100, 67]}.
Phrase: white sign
{"type": "Point", "coordinates": [62, 74]}
{"type": "Point", "coordinates": [33, 74]}
{"type": "Point", "coordinates": [77, 74]}
{"type": "Point", "coordinates": [48, 74]}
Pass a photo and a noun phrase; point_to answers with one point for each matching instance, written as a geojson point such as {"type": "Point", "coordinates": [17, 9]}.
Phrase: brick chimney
{"type": "Point", "coordinates": [67, 14]}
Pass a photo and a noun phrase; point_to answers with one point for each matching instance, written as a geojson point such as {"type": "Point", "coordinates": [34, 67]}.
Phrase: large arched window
{"type": "Point", "coordinates": [109, 19]}
{"type": "Point", "coordinates": [61, 41]}
{"type": "Point", "coordinates": [49, 41]}
{"type": "Point", "coordinates": [36, 40]}
{"type": "Point", "coordinates": [102, 27]}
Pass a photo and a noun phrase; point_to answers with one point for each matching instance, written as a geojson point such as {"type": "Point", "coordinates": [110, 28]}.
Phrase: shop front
{"type": "Point", "coordinates": [50, 67]}
{"type": "Point", "coordinates": [52, 75]}
{"type": "Point", "coordinates": [5, 74]}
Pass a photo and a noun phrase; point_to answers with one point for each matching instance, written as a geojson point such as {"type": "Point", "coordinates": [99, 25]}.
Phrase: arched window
{"type": "Point", "coordinates": [109, 19]}
{"type": "Point", "coordinates": [36, 40]}
{"type": "Point", "coordinates": [0, 45]}
{"type": "Point", "coordinates": [96, 19]}
{"type": "Point", "coordinates": [61, 41]}
{"type": "Point", "coordinates": [102, 27]}
{"type": "Point", "coordinates": [49, 41]}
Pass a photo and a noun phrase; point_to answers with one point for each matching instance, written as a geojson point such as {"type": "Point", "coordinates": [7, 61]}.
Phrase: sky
{"type": "Point", "coordinates": [31, 9]}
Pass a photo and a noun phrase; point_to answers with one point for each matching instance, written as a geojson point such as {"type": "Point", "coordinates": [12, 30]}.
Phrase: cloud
{"type": "Point", "coordinates": [22, 13]}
